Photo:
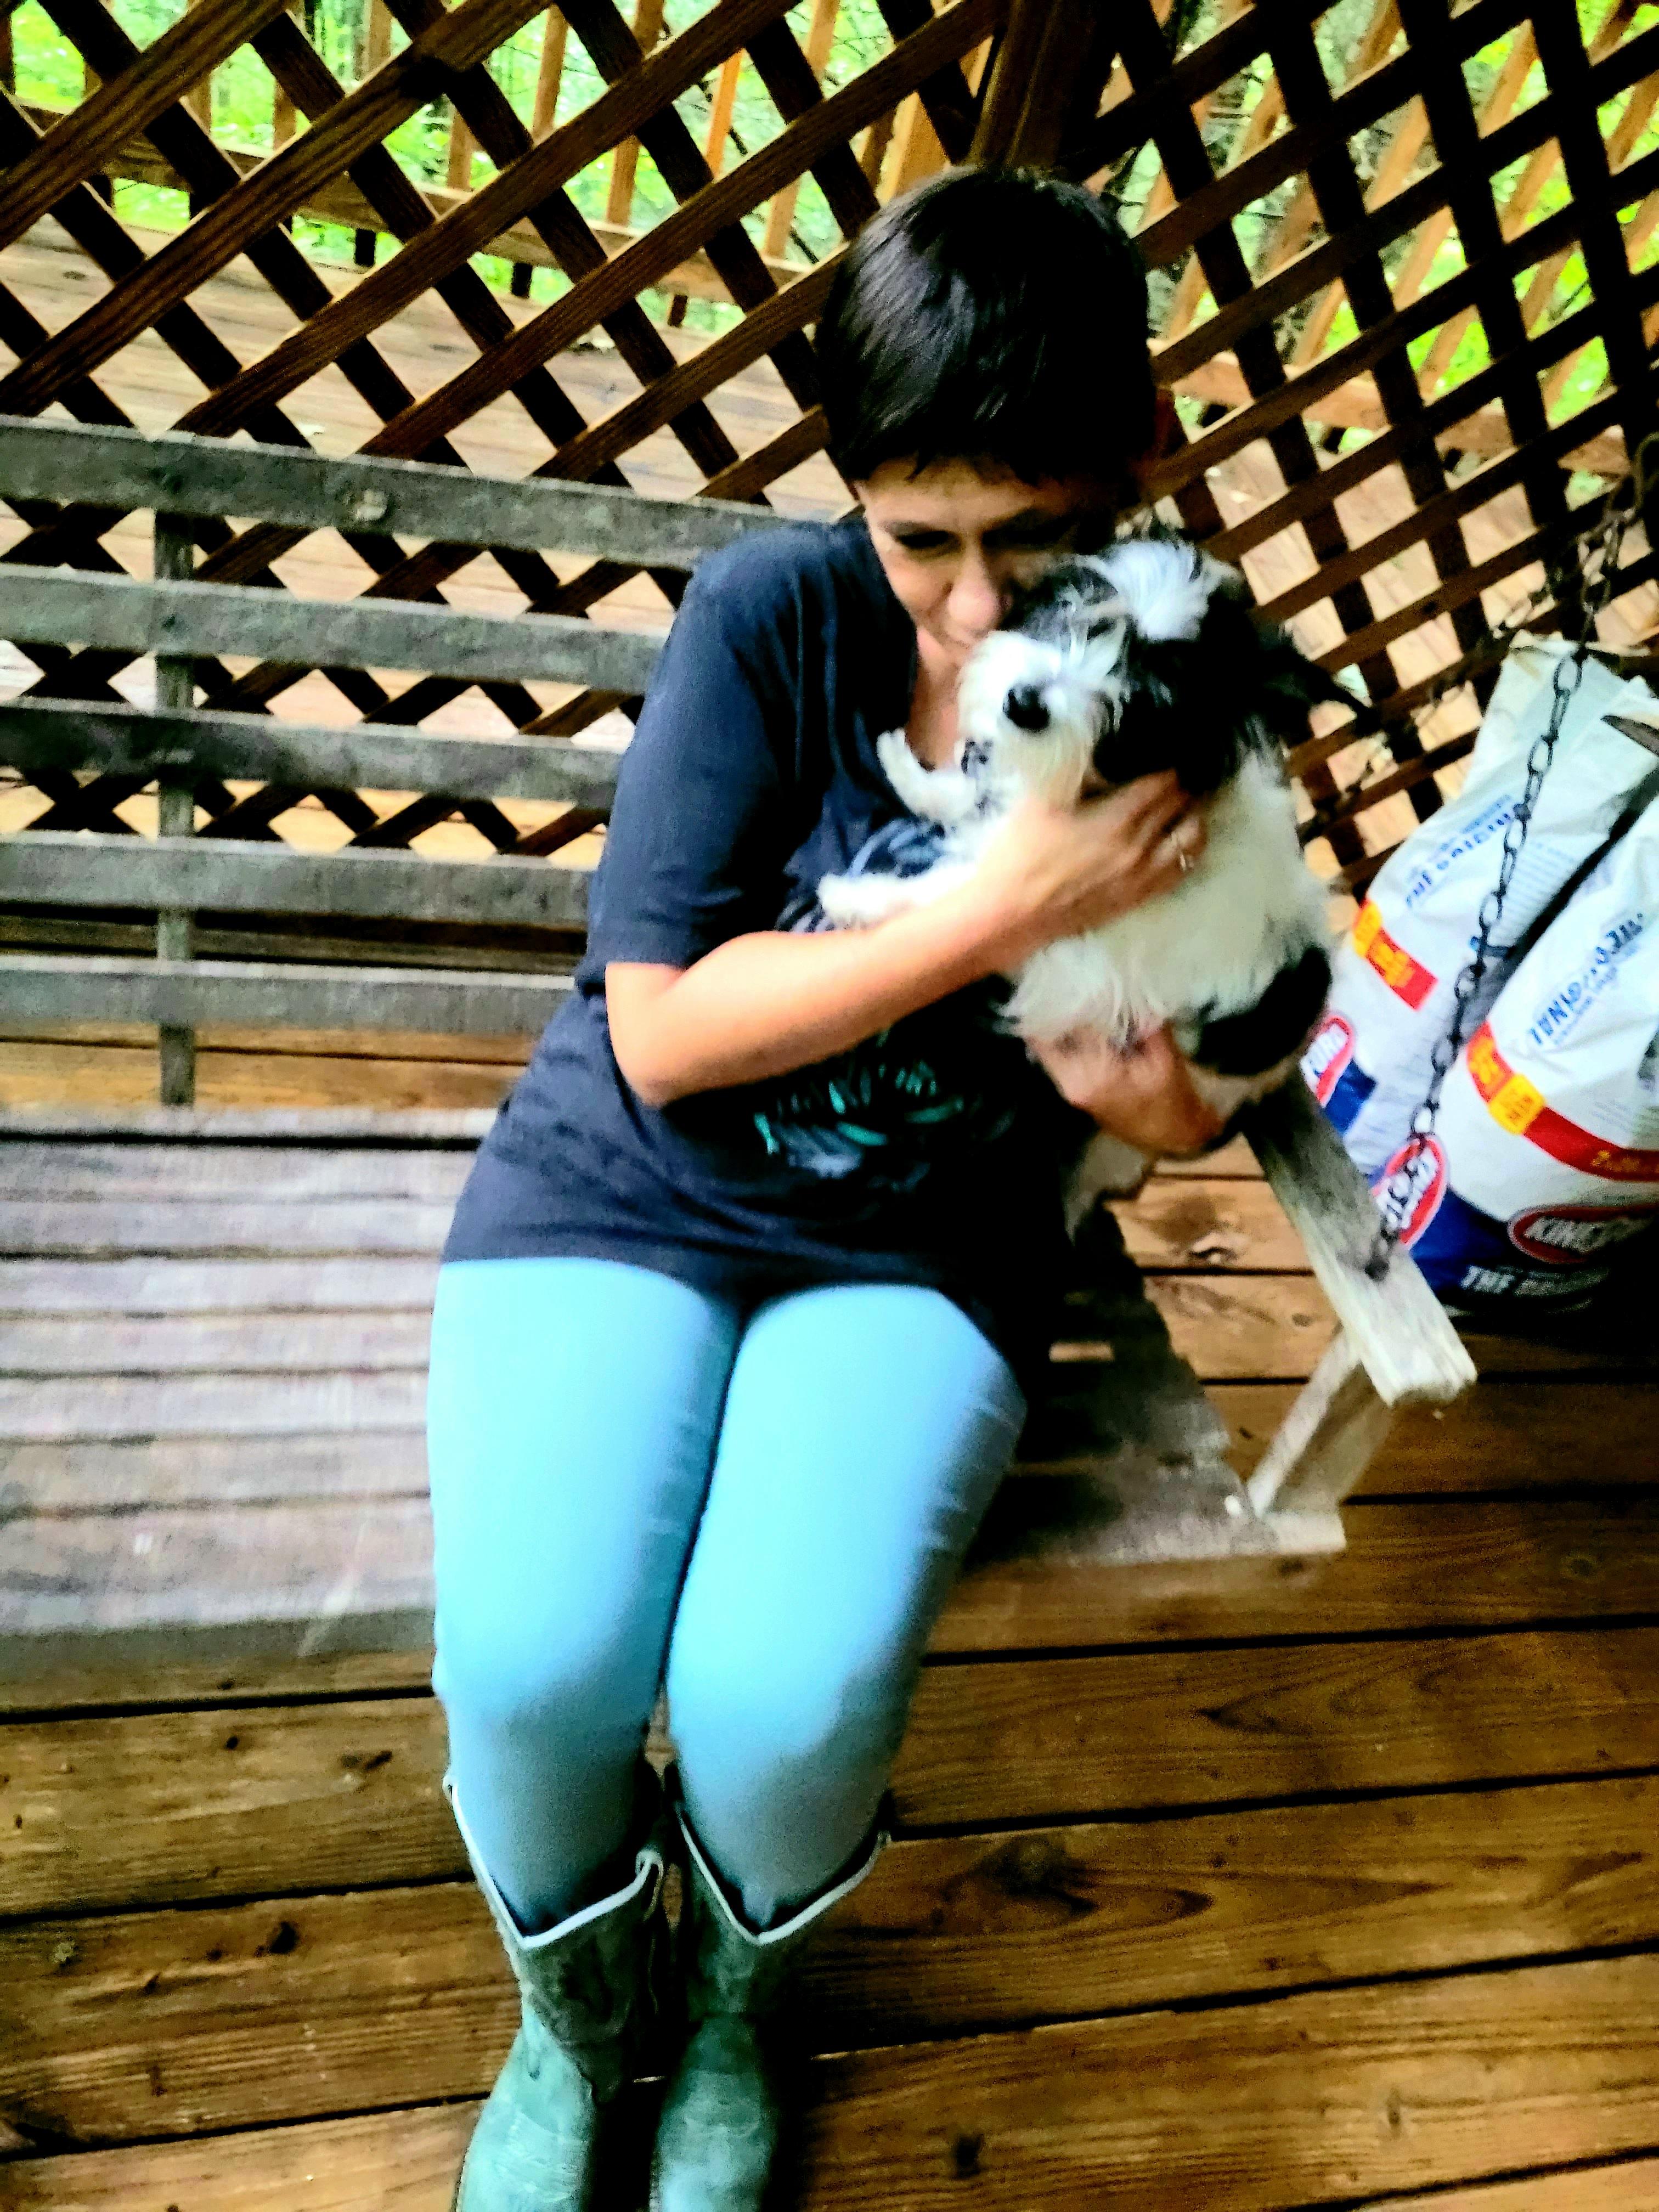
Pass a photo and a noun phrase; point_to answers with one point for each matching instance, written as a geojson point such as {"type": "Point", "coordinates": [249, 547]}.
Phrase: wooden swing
{"type": "Point", "coordinates": [1128, 1463]}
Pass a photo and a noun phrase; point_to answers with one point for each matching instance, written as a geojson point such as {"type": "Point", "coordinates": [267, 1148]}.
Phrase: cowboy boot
{"type": "Point", "coordinates": [583, 1986]}
{"type": "Point", "coordinates": [718, 2130]}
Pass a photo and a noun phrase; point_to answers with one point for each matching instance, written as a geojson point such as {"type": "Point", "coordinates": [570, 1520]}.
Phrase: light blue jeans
{"type": "Point", "coordinates": [634, 1481]}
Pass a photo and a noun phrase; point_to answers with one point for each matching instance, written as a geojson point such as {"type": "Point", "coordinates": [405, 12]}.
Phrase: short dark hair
{"type": "Point", "coordinates": [991, 315]}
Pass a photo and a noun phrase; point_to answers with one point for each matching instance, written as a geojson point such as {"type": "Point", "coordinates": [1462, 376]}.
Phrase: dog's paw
{"type": "Point", "coordinates": [938, 794]}
{"type": "Point", "coordinates": [859, 902]}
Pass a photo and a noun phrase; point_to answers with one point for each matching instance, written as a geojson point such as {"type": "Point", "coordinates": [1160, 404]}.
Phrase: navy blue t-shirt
{"type": "Point", "coordinates": [930, 1154]}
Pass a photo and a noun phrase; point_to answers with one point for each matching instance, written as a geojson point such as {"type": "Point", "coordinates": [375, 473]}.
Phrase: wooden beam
{"type": "Point", "coordinates": [1395, 1323]}
{"type": "Point", "coordinates": [57, 606]}
{"type": "Point", "coordinates": [40, 734]}
{"type": "Point", "coordinates": [1326, 1442]}
{"type": "Point", "coordinates": [211, 477]}
{"type": "Point", "coordinates": [193, 994]}
{"type": "Point", "coordinates": [221, 876]}
{"type": "Point", "coordinates": [781, 215]}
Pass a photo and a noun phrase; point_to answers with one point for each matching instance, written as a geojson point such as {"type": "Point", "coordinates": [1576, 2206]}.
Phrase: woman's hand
{"type": "Point", "coordinates": [1142, 1093]}
{"type": "Point", "coordinates": [1053, 872]}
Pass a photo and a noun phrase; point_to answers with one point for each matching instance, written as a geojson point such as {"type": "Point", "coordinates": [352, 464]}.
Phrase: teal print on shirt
{"type": "Point", "coordinates": [885, 1111]}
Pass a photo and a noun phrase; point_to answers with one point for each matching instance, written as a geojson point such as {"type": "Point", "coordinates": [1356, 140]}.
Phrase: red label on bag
{"type": "Point", "coordinates": [1406, 978]}
{"type": "Point", "coordinates": [1427, 1186]}
{"type": "Point", "coordinates": [1329, 1054]}
{"type": "Point", "coordinates": [1569, 1236]}
{"type": "Point", "coordinates": [1521, 1108]}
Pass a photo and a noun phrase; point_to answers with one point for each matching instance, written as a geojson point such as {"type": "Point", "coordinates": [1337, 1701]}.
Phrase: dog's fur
{"type": "Point", "coordinates": [1143, 658]}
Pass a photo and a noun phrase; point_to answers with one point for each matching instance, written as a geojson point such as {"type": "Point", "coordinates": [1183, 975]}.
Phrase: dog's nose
{"type": "Point", "coordinates": [1024, 707]}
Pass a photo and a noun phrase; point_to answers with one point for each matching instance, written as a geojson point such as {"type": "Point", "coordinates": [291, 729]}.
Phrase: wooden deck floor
{"type": "Point", "coordinates": [1241, 1889]}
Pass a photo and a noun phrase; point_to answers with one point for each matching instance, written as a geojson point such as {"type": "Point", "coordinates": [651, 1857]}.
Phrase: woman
{"type": "Point", "coordinates": [728, 1341]}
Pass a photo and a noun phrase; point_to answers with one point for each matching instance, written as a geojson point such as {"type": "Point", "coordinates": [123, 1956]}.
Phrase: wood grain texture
{"type": "Point", "coordinates": [1633, 2185]}
{"type": "Point", "coordinates": [1326, 2093]}
{"type": "Point", "coordinates": [1004, 1740]}
{"type": "Point", "coordinates": [57, 605]}
{"type": "Point", "coordinates": [45, 734]}
{"type": "Point", "coordinates": [951, 1934]}
{"type": "Point", "coordinates": [1008, 1739]}
{"type": "Point", "coordinates": [211, 477]}
{"type": "Point", "coordinates": [1395, 1323]}
{"type": "Point", "coordinates": [190, 994]}
{"type": "Point", "coordinates": [226, 877]}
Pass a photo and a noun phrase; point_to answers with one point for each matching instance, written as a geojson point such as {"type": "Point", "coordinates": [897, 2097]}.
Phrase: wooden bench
{"type": "Point", "coordinates": [215, 1322]}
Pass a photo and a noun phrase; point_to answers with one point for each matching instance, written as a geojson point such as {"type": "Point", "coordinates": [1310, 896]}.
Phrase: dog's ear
{"type": "Point", "coordinates": [1288, 683]}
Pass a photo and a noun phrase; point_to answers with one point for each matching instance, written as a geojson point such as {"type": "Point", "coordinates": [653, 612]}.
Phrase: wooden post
{"type": "Point", "coordinates": [375, 53]}
{"type": "Point", "coordinates": [1327, 1440]}
{"type": "Point", "coordinates": [549, 76]}
{"type": "Point", "coordinates": [719, 113]}
{"type": "Point", "coordinates": [175, 687]}
{"type": "Point", "coordinates": [1050, 68]}
{"type": "Point", "coordinates": [820, 33]}
{"type": "Point", "coordinates": [625, 159]}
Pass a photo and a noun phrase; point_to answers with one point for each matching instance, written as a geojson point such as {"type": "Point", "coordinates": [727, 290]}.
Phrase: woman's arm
{"type": "Point", "coordinates": [765, 1004]}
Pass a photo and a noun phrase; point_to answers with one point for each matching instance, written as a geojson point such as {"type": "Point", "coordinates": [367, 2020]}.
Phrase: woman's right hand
{"type": "Point", "coordinates": [1055, 872]}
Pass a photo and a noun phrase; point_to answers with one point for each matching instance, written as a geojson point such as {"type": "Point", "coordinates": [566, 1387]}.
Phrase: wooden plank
{"type": "Point", "coordinates": [190, 993]}
{"type": "Point", "coordinates": [59, 1477]}
{"type": "Point", "coordinates": [192, 1683]}
{"type": "Point", "coordinates": [195, 1403]}
{"type": "Point", "coordinates": [1329, 1438]}
{"type": "Point", "coordinates": [1519, 1434]}
{"type": "Point", "coordinates": [62, 605]}
{"type": "Point", "coordinates": [1295, 2095]}
{"type": "Point", "coordinates": [476, 217]}
{"type": "Point", "coordinates": [1008, 1739]}
{"type": "Point", "coordinates": [1211, 1225]}
{"type": "Point", "coordinates": [1233, 1326]}
{"type": "Point", "coordinates": [1633, 2185]}
{"type": "Point", "coordinates": [290, 1345]}
{"type": "Point", "coordinates": [241, 217]}
{"type": "Point", "coordinates": [120, 740]}
{"type": "Point", "coordinates": [165, 1578]}
{"type": "Point", "coordinates": [121, 1174]}
{"type": "Point", "coordinates": [460, 1127]}
{"type": "Point", "coordinates": [227, 876]}
{"type": "Point", "coordinates": [72, 1212]}
{"type": "Point", "coordinates": [1522, 1438]}
{"type": "Point", "coordinates": [194, 1286]}
{"type": "Point", "coordinates": [410, 499]}
{"type": "Point", "coordinates": [948, 1937]}
{"type": "Point", "coordinates": [1395, 1323]}
{"type": "Point", "coordinates": [290, 1580]}
{"type": "Point", "coordinates": [275, 2169]}
{"type": "Point", "coordinates": [78, 869]}
{"type": "Point", "coordinates": [407, 2160]}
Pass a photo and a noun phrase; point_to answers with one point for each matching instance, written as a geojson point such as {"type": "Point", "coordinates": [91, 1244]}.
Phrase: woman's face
{"type": "Point", "coordinates": [956, 544]}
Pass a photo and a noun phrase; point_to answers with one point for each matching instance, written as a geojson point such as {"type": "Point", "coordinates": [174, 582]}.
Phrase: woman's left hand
{"type": "Point", "coordinates": [1142, 1093]}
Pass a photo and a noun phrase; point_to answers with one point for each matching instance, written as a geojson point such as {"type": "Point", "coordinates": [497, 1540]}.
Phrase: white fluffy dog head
{"type": "Point", "coordinates": [1141, 658]}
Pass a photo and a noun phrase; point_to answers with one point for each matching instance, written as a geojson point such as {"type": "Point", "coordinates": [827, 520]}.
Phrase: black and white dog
{"type": "Point", "coordinates": [1142, 658]}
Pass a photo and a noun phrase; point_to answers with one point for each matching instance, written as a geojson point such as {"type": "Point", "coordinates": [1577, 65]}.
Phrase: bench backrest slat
{"type": "Point", "coordinates": [215, 477]}
{"type": "Point", "coordinates": [37, 735]}
{"type": "Point", "coordinates": [61, 606]}
{"type": "Point", "coordinates": [221, 875]}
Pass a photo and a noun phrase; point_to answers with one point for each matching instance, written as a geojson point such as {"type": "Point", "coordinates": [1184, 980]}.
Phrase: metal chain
{"type": "Point", "coordinates": [1603, 544]}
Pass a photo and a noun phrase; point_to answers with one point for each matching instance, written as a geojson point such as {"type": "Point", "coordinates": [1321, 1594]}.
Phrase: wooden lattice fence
{"type": "Point", "coordinates": [1405, 274]}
